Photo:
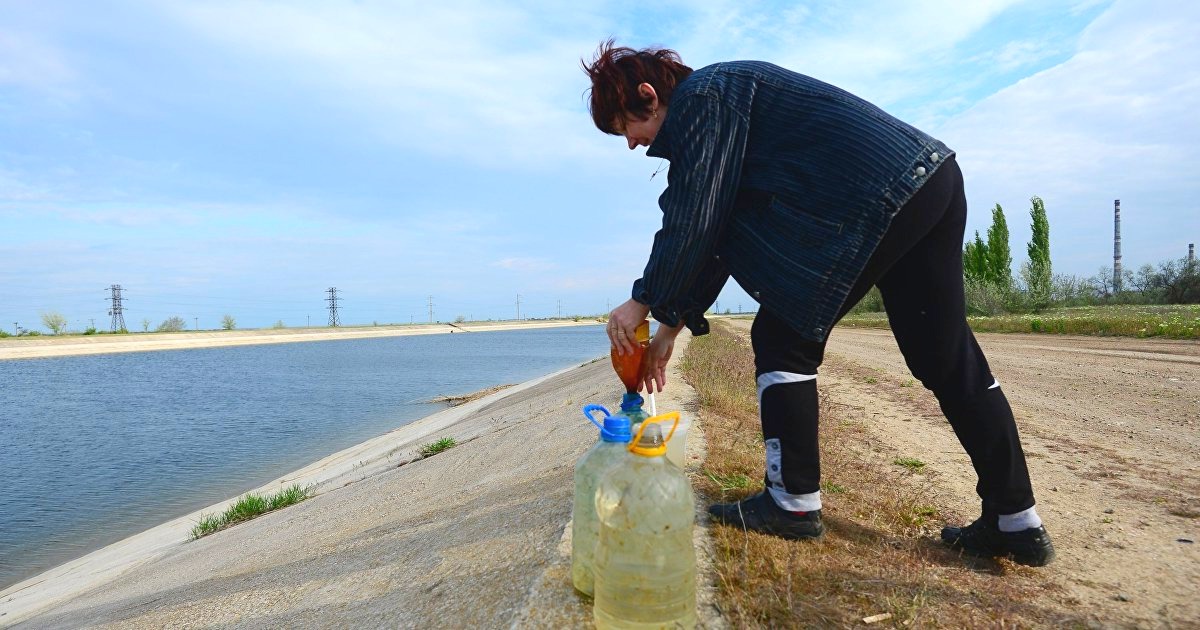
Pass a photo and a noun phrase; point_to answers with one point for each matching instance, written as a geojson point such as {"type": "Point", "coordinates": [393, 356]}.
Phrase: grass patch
{"type": "Point", "coordinates": [879, 554]}
{"type": "Point", "coordinates": [433, 448]}
{"type": "Point", "coordinates": [463, 399]}
{"type": "Point", "coordinates": [910, 463]}
{"type": "Point", "coordinates": [735, 481]}
{"type": "Point", "coordinates": [248, 507]}
{"type": "Point", "coordinates": [1127, 320]}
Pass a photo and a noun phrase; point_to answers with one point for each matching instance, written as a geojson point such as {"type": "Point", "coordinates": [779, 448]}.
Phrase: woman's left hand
{"type": "Point", "coordinates": [622, 325]}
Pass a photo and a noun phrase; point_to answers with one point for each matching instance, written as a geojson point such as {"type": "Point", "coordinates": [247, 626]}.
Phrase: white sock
{"type": "Point", "coordinates": [810, 502]}
{"type": "Point", "coordinates": [1021, 521]}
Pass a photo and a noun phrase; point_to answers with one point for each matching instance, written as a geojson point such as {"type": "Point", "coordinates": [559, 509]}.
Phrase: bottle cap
{"type": "Point", "coordinates": [650, 443]}
{"type": "Point", "coordinates": [631, 400]}
{"type": "Point", "coordinates": [616, 429]}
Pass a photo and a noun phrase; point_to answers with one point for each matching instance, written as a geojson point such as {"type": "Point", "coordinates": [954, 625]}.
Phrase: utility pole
{"type": "Point", "coordinates": [431, 309]}
{"type": "Point", "coordinates": [1116, 245]}
{"type": "Point", "coordinates": [560, 309]}
{"type": "Point", "coordinates": [518, 307]}
{"type": "Point", "coordinates": [308, 321]}
{"type": "Point", "coordinates": [197, 320]}
{"type": "Point", "coordinates": [333, 299]}
{"type": "Point", "coordinates": [718, 307]}
{"type": "Point", "coordinates": [90, 319]}
{"type": "Point", "coordinates": [117, 311]}
{"type": "Point", "coordinates": [16, 329]}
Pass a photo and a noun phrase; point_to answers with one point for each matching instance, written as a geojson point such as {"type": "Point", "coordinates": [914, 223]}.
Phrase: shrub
{"type": "Point", "coordinates": [174, 323]}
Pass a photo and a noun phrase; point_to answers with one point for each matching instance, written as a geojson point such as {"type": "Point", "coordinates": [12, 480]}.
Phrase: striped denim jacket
{"type": "Point", "coordinates": [780, 180]}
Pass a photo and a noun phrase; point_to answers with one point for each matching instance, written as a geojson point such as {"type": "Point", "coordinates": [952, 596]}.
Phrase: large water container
{"type": "Point", "coordinates": [645, 566]}
{"type": "Point", "coordinates": [585, 530]}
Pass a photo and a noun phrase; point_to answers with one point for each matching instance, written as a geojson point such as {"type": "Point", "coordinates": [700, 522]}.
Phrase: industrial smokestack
{"type": "Point", "coordinates": [1191, 252]}
{"type": "Point", "coordinates": [1116, 245]}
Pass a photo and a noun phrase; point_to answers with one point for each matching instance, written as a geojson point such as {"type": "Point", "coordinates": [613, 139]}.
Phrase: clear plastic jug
{"type": "Point", "coordinates": [585, 529]}
{"type": "Point", "coordinates": [645, 564]}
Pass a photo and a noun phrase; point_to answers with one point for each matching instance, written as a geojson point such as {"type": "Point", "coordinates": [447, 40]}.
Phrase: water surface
{"type": "Point", "coordinates": [96, 448]}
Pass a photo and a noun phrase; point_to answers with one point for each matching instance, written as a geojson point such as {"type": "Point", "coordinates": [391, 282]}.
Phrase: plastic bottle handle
{"type": "Point", "coordinates": [670, 415]}
{"type": "Point", "coordinates": [588, 410]}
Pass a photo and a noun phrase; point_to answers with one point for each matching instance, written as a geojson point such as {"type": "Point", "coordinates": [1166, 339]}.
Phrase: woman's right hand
{"type": "Point", "coordinates": [657, 356]}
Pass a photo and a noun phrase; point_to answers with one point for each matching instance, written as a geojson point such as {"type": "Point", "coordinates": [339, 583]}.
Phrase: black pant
{"type": "Point", "coordinates": [918, 268]}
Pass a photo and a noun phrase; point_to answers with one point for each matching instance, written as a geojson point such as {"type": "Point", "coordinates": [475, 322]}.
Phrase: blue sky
{"type": "Point", "coordinates": [241, 156]}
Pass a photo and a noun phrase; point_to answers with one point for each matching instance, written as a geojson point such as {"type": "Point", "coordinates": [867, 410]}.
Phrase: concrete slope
{"type": "Point", "coordinates": [467, 538]}
{"type": "Point", "coordinates": [452, 540]}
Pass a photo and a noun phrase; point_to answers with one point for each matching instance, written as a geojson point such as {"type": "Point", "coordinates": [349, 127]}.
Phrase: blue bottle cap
{"type": "Point", "coordinates": [616, 429]}
{"type": "Point", "coordinates": [631, 401]}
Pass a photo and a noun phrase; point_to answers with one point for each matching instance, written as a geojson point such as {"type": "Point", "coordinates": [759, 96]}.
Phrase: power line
{"type": "Point", "coordinates": [333, 298]}
{"type": "Point", "coordinates": [117, 311]}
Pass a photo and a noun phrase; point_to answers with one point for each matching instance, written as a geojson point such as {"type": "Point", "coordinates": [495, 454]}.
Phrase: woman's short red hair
{"type": "Point", "coordinates": [617, 71]}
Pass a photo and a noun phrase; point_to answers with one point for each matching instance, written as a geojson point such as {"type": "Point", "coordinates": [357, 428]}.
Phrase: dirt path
{"type": "Point", "coordinates": [1111, 428]}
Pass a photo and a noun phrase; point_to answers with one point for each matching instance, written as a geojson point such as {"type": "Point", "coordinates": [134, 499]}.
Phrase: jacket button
{"type": "Point", "coordinates": [716, 258]}
{"type": "Point", "coordinates": [755, 295]}
{"type": "Point", "coordinates": [818, 330]}
{"type": "Point", "coordinates": [920, 171]}
{"type": "Point", "coordinates": [934, 157]}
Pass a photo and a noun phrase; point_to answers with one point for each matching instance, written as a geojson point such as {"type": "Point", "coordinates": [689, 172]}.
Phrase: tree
{"type": "Point", "coordinates": [228, 322]}
{"type": "Point", "coordinates": [174, 323]}
{"type": "Point", "coordinates": [1037, 272]}
{"type": "Point", "coordinates": [975, 260]}
{"type": "Point", "coordinates": [998, 255]}
{"type": "Point", "coordinates": [54, 321]}
{"type": "Point", "coordinates": [145, 324]}
{"type": "Point", "coordinates": [1179, 281]}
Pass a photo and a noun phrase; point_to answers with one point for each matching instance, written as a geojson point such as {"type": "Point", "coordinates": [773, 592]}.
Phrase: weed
{"type": "Point", "coordinates": [910, 463]}
{"type": "Point", "coordinates": [871, 380]}
{"type": "Point", "coordinates": [828, 487]}
{"type": "Point", "coordinates": [248, 507]}
{"type": "Point", "coordinates": [731, 481]}
{"type": "Point", "coordinates": [909, 383]}
{"type": "Point", "coordinates": [433, 448]}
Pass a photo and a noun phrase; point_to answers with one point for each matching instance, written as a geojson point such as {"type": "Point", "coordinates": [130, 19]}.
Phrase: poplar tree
{"type": "Point", "coordinates": [975, 260]}
{"type": "Point", "coordinates": [999, 257]}
{"type": "Point", "coordinates": [1037, 276]}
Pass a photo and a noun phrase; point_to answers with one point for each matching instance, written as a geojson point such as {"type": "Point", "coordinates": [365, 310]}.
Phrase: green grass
{"type": "Point", "coordinates": [1128, 320]}
{"type": "Point", "coordinates": [828, 487]}
{"type": "Point", "coordinates": [248, 507]}
{"type": "Point", "coordinates": [730, 481]}
{"type": "Point", "coordinates": [910, 463]}
{"type": "Point", "coordinates": [429, 450]}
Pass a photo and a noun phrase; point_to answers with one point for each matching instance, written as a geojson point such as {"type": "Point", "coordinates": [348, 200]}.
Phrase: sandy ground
{"type": "Point", "coordinates": [1111, 429]}
{"type": "Point", "coordinates": [476, 536]}
{"type": "Point", "coordinates": [48, 346]}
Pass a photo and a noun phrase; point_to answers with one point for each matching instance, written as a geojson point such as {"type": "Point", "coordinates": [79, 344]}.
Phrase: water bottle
{"type": "Point", "coordinates": [630, 367]}
{"type": "Point", "coordinates": [645, 566]}
{"type": "Point", "coordinates": [614, 438]}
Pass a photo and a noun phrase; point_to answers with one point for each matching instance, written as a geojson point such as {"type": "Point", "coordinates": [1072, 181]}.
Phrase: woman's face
{"type": "Point", "coordinates": [639, 133]}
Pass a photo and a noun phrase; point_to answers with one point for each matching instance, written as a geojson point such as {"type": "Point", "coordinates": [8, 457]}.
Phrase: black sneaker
{"type": "Point", "coordinates": [982, 538]}
{"type": "Point", "coordinates": [761, 514]}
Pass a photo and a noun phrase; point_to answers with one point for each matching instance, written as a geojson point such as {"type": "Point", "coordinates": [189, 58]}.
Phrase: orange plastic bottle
{"type": "Point", "coordinates": [631, 367]}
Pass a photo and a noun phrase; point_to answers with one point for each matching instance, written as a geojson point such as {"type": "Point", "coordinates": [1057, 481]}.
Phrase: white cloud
{"type": "Point", "coordinates": [1117, 120]}
{"type": "Point", "coordinates": [480, 81]}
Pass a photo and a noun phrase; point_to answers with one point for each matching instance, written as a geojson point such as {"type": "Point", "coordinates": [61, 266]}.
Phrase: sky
{"type": "Point", "coordinates": [240, 157]}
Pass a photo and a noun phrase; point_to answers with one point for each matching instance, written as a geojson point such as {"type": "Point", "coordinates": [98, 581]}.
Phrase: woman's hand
{"type": "Point", "coordinates": [622, 325]}
{"type": "Point", "coordinates": [657, 356]}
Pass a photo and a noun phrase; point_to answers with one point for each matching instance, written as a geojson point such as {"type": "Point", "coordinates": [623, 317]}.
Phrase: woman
{"type": "Point", "coordinates": [808, 196]}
